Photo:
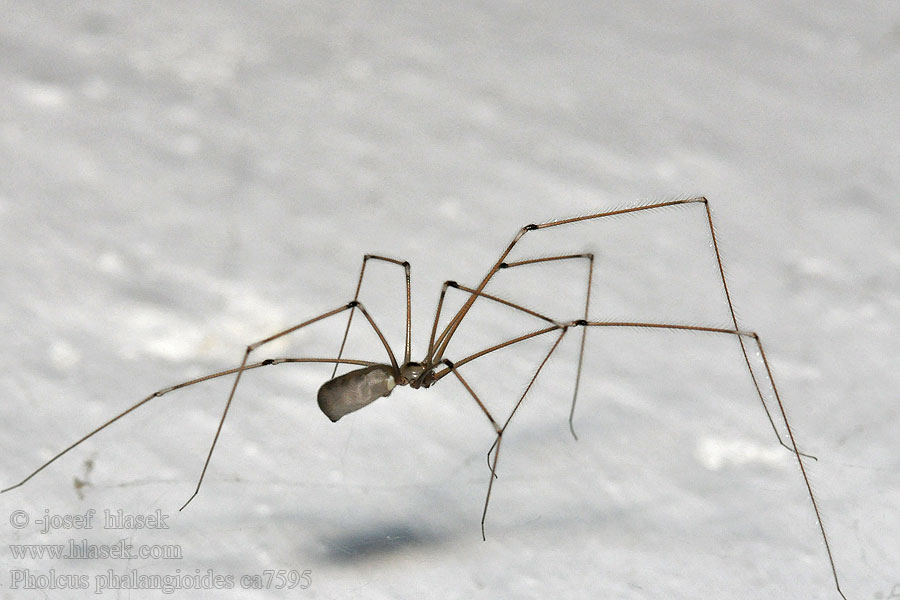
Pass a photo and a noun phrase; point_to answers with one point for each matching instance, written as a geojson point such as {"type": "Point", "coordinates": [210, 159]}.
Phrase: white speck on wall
{"type": "Point", "coordinates": [718, 453]}
{"type": "Point", "coordinates": [158, 334]}
{"type": "Point", "coordinates": [44, 95]}
{"type": "Point", "coordinates": [111, 263]}
{"type": "Point", "coordinates": [64, 356]}
{"type": "Point", "coordinates": [188, 145]}
{"type": "Point", "coordinates": [450, 209]}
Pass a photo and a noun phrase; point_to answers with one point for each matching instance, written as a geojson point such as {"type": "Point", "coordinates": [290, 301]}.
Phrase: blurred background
{"type": "Point", "coordinates": [179, 180]}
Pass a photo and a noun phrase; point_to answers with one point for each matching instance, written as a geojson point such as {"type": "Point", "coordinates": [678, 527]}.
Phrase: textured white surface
{"type": "Point", "coordinates": [178, 182]}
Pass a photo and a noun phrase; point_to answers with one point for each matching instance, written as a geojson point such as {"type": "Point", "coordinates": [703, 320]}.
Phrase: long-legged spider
{"type": "Point", "coordinates": [372, 380]}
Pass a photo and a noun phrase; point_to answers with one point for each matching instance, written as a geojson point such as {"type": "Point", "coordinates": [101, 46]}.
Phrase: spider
{"type": "Point", "coordinates": [370, 380]}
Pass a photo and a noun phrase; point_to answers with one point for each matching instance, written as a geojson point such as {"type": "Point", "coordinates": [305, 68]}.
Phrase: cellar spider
{"type": "Point", "coordinates": [371, 380]}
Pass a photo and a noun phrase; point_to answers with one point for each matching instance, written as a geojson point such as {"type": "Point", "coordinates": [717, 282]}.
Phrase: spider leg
{"type": "Point", "coordinates": [495, 447]}
{"type": "Point", "coordinates": [440, 346]}
{"type": "Point", "coordinates": [437, 352]}
{"type": "Point", "coordinates": [812, 498]}
{"type": "Point", "coordinates": [497, 429]}
{"type": "Point", "coordinates": [273, 337]}
{"type": "Point", "coordinates": [178, 386]}
{"type": "Point", "coordinates": [793, 447]}
{"type": "Point", "coordinates": [453, 284]}
{"type": "Point", "coordinates": [587, 302]}
{"type": "Point", "coordinates": [362, 272]}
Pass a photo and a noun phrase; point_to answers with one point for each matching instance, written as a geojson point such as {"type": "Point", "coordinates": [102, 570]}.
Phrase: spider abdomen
{"type": "Point", "coordinates": [354, 390]}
